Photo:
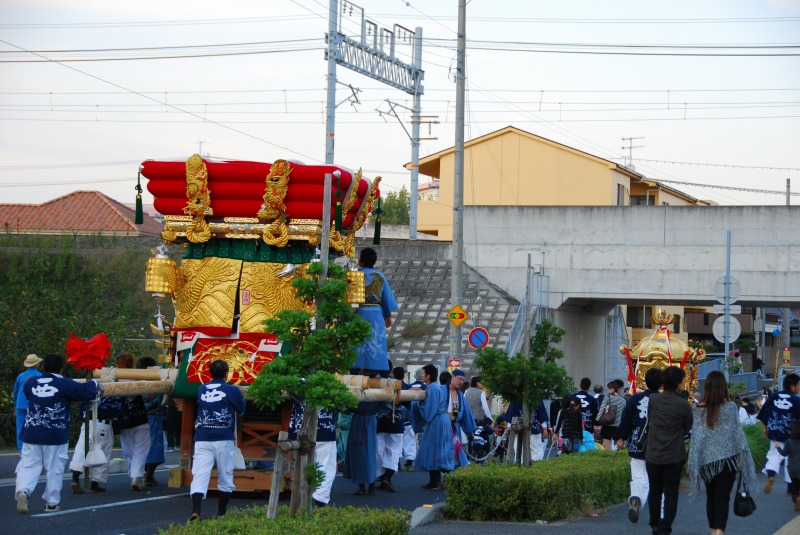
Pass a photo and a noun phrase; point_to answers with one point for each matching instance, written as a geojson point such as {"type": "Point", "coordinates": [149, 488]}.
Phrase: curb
{"type": "Point", "coordinates": [791, 528]}
{"type": "Point", "coordinates": [427, 514]}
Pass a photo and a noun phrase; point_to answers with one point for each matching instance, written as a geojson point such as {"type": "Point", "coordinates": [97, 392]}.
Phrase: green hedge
{"type": "Point", "coordinates": [757, 443]}
{"type": "Point", "coordinates": [551, 490]}
{"type": "Point", "coordinates": [323, 521]}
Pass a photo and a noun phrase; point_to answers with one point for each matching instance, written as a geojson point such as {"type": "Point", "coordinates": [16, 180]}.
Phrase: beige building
{"type": "Point", "coordinates": [512, 167]}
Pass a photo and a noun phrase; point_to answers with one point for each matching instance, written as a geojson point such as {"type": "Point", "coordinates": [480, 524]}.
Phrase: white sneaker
{"type": "Point", "coordinates": [22, 503]}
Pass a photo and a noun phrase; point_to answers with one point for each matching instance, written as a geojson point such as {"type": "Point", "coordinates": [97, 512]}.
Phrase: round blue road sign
{"type": "Point", "coordinates": [478, 338]}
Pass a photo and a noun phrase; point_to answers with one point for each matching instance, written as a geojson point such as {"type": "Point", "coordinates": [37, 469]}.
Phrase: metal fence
{"type": "Point", "coordinates": [750, 380]}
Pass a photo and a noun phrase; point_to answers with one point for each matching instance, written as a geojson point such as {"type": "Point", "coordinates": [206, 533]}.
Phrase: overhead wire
{"type": "Point", "coordinates": [222, 125]}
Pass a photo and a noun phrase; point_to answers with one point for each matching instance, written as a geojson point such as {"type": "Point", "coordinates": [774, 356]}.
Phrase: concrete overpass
{"type": "Point", "coordinates": [598, 257]}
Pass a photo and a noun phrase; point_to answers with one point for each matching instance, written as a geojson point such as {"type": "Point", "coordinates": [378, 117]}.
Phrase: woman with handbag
{"type": "Point", "coordinates": [610, 414]}
{"type": "Point", "coordinates": [719, 452]}
{"type": "Point", "coordinates": [570, 425]}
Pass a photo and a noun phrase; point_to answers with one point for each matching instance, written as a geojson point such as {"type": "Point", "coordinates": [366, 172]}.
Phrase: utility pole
{"type": "Point", "coordinates": [525, 437]}
{"type": "Point", "coordinates": [330, 116]}
{"type": "Point", "coordinates": [457, 282]}
{"type": "Point", "coordinates": [415, 120]}
{"type": "Point", "coordinates": [786, 334]}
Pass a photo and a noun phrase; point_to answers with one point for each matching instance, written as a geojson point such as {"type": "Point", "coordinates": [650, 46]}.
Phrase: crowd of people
{"type": "Point", "coordinates": [450, 428]}
{"type": "Point", "coordinates": [43, 403]}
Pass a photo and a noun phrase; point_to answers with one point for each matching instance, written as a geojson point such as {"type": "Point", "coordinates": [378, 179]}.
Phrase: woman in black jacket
{"type": "Point", "coordinates": [570, 424]}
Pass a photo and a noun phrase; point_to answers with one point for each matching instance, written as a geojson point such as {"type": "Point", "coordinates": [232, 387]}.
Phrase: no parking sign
{"type": "Point", "coordinates": [478, 338]}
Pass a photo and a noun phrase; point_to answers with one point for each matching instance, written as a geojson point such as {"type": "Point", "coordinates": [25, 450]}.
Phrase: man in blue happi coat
{"type": "Point", "coordinates": [429, 417]}
{"type": "Point", "coordinates": [379, 303]}
{"type": "Point", "coordinates": [324, 450]}
{"type": "Point", "coordinates": [588, 404]}
{"type": "Point", "coordinates": [31, 364]}
{"type": "Point", "coordinates": [46, 431]}
{"type": "Point", "coordinates": [777, 415]}
{"type": "Point", "coordinates": [633, 429]}
{"type": "Point", "coordinates": [218, 404]}
{"type": "Point", "coordinates": [539, 428]}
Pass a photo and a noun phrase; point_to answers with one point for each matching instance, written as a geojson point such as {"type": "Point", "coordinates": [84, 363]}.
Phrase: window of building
{"type": "Point", "coordinates": [643, 200]}
{"type": "Point", "coordinates": [705, 319]}
{"type": "Point", "coordinates": [622, 194]}
{"type": "Point", "coordinates": [639, 317]}
{"type": "Point", "coordinates": [676, 325]}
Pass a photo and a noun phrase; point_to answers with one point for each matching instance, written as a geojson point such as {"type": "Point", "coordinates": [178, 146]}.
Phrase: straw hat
{"type": "Point", "coordinates": [31, 361]}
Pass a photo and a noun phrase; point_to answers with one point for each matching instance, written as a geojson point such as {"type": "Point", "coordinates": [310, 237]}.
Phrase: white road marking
{"type": "Point", "coordinates": [107, 505]}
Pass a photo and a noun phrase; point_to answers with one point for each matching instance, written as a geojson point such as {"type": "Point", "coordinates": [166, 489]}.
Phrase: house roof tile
{"type": "Point", "coordinates": [77, 212]}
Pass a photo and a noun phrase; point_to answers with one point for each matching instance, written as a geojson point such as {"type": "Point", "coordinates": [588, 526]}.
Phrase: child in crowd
{"type": "Point", "coordinates": [501, 435]}
{"type": "Point", "coordinates": [791, 449]}
{"type": "Point", "coordinates": [481, 443]}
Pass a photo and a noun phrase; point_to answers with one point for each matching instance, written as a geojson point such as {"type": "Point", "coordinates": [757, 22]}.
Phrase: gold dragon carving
{"type": "Point", "coordinates": [206, 294]}
{"type": "Point", "coordinates": [199, 197]}
{"type": "Point", "coordinates": [277, 185]}
{"type": "Point", "coordinates": [269, 294]}
{"type": "Point", "coordinates": [349, 245]}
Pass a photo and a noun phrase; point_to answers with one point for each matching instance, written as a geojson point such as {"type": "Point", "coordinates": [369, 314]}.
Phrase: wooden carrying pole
{"type": "Point", "coordinates": [133, 388]}
{"type": "Point", "coordinates": [148, 374]}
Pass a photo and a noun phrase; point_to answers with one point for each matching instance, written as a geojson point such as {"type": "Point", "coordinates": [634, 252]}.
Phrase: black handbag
{"type": "Point", "coordinates": [608, 415]}
{"type": "Point", "coordinates": [743, 503]}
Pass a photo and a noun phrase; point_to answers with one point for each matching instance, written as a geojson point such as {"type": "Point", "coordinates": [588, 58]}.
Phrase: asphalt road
{"type": "Point", "coordinates": [122, 511]}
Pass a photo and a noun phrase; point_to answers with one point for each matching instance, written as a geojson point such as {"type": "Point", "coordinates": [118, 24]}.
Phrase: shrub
{"type": "Point", "coordinates": [323, 521]}
{"type": "Point", "coordinates": [757, 443]}
{"type": "Point", "coordinates": [551, 490]}
{"type": "Point", "coordinates": [417, 328]}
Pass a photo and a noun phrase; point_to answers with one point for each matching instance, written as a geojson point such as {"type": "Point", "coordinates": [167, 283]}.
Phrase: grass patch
{"type": "Point", "coordinates": [417, 328]}
{"type": "Point", "coordinates": [322, 521]}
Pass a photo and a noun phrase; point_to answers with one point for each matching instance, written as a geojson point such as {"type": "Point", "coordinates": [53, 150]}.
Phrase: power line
{"type": "Point", "coordinates": [283, 18]}
{"type": "Point", "coordinates": [128, 24]}
{"type": "Point", "coordinates": [225, 126]}
{"type": "Point", "coordinates": [730, 166]}
{"type": "Point", "coordinates": [181, 56]}
{"type": "Point", "coordinates": [427, 90]}
{"type": "Point", "coordinates": [732, 188]}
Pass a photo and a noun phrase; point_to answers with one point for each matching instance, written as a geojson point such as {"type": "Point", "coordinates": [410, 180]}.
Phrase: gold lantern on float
{"type": "Point", "coordinates": [662, 350]}
{"type": "Point", "coordinates": [161, 278]}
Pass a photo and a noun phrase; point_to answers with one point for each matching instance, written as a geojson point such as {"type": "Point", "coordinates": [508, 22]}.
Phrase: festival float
{"type": "Point", "coordinates": [249, 229]}
{"type": "Point", "coordinates": [661, 350]}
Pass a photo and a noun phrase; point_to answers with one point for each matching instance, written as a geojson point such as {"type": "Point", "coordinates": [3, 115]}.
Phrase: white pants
{"type": "Point", "coordinates": [537, 448]}
{"type": "Point", "coordinates": [35, 457]}
{"type": "Point", "coordinates": [774, 460]}
{"type": "Point", "coordinates": [135, 445]}
{"type": "Point", "coordinates": [325, 455]}
{"type": "Point", "coordinates": [387, 447]}
{"type": "Point", "coordinates": [640, 485]}
{"type": "Point", "coordinates": [105, 437]}
{"type": "Point", "coordinates": [206, 454]}
{"type": "Point", "coordinates": [409, 444]}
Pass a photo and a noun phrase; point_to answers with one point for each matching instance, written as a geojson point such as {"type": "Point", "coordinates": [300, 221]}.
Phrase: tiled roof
{"type": "Point", "coordinates": [83, 212]}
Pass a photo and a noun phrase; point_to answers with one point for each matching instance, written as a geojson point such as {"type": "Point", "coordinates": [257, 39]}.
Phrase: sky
{"type": "Point", "coordinates": [250, 84]}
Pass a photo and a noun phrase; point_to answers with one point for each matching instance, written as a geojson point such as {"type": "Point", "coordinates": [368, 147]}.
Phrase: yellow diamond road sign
{"type": "Point", "coordinates": [457, 316]}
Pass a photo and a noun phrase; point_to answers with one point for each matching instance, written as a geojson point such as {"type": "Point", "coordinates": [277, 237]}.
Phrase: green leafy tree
{"type": "Point", "coordinates": [396, 208]}
{"type": "Point", "coordinates": [308, 371]}
{"type": "Point", "coordinates": [527, 379]}
{"type": "Point", "coordinates": [51, 286]}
